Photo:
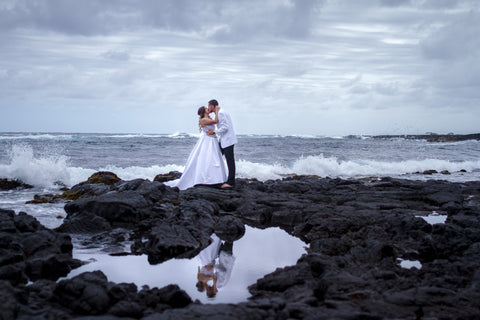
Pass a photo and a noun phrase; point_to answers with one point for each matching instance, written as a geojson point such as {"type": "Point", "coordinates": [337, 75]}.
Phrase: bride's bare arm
{"type": "Point", "coordinates": [207, 121]}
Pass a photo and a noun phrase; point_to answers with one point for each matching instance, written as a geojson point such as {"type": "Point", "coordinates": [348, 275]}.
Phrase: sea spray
{"type": "Point", "coordinates": [45, 159]}
{"type": "Point", "coordinates": [37, 169]}
{"type": "Point", "coordinates": [332, 167]}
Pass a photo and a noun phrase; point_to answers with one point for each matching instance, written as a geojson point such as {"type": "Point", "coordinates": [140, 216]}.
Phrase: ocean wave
{"type": "Point", "coordinates": [58, 136]}
{"type": "Point", "coordinates": [179, 135]}
{"type": "Point", "coordinates": [305, 136]}
{"type": "Point", "coordinates": [38, 170]}
{"type": "Point", "coordinates": [132, 135]}
{"type": "Point", "coordinates": [52, 168]}
{"type": "Point", "coordinates": [332, 167]}
{"type": "Point", "coordinates": [35, 136]}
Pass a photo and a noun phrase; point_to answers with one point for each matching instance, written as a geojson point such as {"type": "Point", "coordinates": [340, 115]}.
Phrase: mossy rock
{"type": "Point", "coordinates": [71, 195]}
{"type": "Point", "coordinates": [172, 175]}
{"type": "Point", "coordinates": [105, 177]}
{"type": "Point", "coordinates": [45, 198]}
{"type": "Point", "coordinates": [303, 176]}
{"type": "Point", "coordinates": [370, 179]}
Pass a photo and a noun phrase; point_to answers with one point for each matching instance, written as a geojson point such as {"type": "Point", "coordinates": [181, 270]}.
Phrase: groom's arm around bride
{"type": "Point", "coordinates": [227, 138]}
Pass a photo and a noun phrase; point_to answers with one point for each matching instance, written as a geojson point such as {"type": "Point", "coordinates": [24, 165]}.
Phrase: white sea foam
{"type": "Point", "coordinates": [38, 170]}
{"type": "Point", "coordinates": [45, 170]}
{"type": "Point", "coordinates": [34, 136]}
{"type": "Point", "coordinates": [135, 172]}
{"type": "Point", "coordinates": [180, 135]}
{"type": "Point", "coordinates": [332, 167]}
{"type": "Point", "coordinates": [132, 135]}
{"type": "Point", "coordinates": [48, 170]}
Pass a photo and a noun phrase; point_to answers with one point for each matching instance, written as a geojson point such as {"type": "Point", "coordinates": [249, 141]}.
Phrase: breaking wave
{"type": "Point", "coordinates": [332, 167]}
{"type": "Point", "coordinates": [52, 168]}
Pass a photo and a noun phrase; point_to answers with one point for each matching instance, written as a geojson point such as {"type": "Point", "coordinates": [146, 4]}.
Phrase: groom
{"type": "Point", "coordinates": [227, 140]}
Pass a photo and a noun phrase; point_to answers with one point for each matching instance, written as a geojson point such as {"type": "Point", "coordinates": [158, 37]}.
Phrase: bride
{"type": "Point", "coordinates": [205, 164]}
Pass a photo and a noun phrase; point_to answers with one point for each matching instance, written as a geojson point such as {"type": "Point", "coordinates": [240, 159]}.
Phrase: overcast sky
{"type": "Point", "coordinates": [277, 66]}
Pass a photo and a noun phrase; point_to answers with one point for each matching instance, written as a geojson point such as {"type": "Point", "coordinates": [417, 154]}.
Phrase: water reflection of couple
{"type": "Point", "coordinates": [216, 266]}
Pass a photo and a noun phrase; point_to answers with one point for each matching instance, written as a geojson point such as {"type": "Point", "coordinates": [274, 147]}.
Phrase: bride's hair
{"type": "Point", "coordinates": [201, 111]}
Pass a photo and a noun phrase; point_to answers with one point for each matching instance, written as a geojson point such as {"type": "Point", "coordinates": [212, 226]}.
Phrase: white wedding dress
{"type": "Point", "coordinates": [205, 165]}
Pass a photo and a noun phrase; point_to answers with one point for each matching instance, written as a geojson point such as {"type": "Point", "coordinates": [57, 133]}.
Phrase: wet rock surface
{"type": "Point", "coordinates": [356, 231]}
{"type": "Point", "coordinates": [172, 175]}
{"type": "Point", "coordinates": [8, 184]}
{"type": "Point", "coordinates": [29, 251]}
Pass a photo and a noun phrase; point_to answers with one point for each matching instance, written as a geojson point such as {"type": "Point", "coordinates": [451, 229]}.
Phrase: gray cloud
{"type": "Point", "coordinates": [455, 40]}
{"type": "Point", "coordinates": [337, 61]}
{"type": "Point", "coordinates": [394, 3]}
{"type": "Point", "coordinates": [232, 20]}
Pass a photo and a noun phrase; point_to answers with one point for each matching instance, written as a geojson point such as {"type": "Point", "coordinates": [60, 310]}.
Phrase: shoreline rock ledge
{"type": "Point", "coordinates": [358, 233]}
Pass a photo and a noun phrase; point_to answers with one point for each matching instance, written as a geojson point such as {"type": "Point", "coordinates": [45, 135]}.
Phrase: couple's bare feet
{"type": "Point", "coordinates": [226, 186]}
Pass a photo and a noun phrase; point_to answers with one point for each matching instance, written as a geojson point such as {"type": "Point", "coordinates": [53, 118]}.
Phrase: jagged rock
{"type": "Point", "coordinates": [85, 294]}
{"type": "Point", "coordinates": [357, 231]}
{"type": "Point", "coordinates": [213, 312]}
{"type": "Point", "coordinates": [7, 184]}
{"type": "Point", "coordinates": [122, 205]}
{"type": "Point", "coordinates": [9, 305]}
{"type": "Point", "coordinates": [172, 175]}
{"type": "Point", "coordinates": [7, 222]}
{"type": "Point", "coordinates": [31, 251]}
{"type": "Point", "coordinates": [85, 190]}
{"type": "Point", "coordinates": [45, 198]}
{"type": "Point", "coordinates": [88, 294]}
{"type": "Point", "coordinates": [168, 241]}
{"type": "Point", "coordinates": [103, 177]}
{"type": "Point", "coordinates": [229, 228]}
{"type": "Point", "coordinates": [97, 184]}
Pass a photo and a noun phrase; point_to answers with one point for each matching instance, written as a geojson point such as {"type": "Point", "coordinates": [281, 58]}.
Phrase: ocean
{"type": "Point", "coordinates": [50, 161]}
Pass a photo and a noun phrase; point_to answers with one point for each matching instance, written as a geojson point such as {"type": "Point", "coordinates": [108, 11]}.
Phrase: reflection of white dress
{"type": "Point", "coordinates": [222, 261]}
{"type": "Point", "coordinates": [210, 253]}
{"type": "Point", "coordinates": [205, 165]}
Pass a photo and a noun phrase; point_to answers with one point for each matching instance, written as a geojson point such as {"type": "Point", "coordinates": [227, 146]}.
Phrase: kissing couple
{"type": "Point", "coordinates": [205, 164]}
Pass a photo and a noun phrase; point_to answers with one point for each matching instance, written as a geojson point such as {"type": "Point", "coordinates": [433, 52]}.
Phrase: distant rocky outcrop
{"type": "Point", "coordinates": [432, 137]}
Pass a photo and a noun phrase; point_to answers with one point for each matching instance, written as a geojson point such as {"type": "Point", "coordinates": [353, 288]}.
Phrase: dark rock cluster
{"type": "Point", "coordinates": [356, 230]}
{"type": "Point", "coordinates": [29, 251]}
{"type": "Point", "coordinates": [9, 184]}
{"type": "Point", "coordinates": [88, 294]}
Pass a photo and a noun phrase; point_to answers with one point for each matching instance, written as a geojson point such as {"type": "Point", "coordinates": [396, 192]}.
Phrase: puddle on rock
{"type": "Point", "coordinates": [50, 215]}
{"type": "Point", "coordinates": [257, 253]}
{"type": "Point", "coordinates": [434, 218]}
{"type": "Point", "coordinates": [409, 264]}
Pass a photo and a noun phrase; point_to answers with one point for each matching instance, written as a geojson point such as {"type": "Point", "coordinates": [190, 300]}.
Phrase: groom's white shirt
{"type": "Point", "coordinates": [225, 129]}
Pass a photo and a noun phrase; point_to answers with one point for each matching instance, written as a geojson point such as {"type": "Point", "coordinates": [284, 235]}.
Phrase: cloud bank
{"type": "Point", "coordinates": [280, 67]}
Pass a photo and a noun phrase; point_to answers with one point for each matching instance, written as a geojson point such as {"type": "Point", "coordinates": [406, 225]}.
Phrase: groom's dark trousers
{"type": "Point", "coordinates": [228, 152]}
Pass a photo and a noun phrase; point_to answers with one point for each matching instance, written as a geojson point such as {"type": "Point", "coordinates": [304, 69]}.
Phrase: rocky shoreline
{"type": "Point", "coordinates": [433, 137]}
{"type": "Point", "coordinates": [357, 231]}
